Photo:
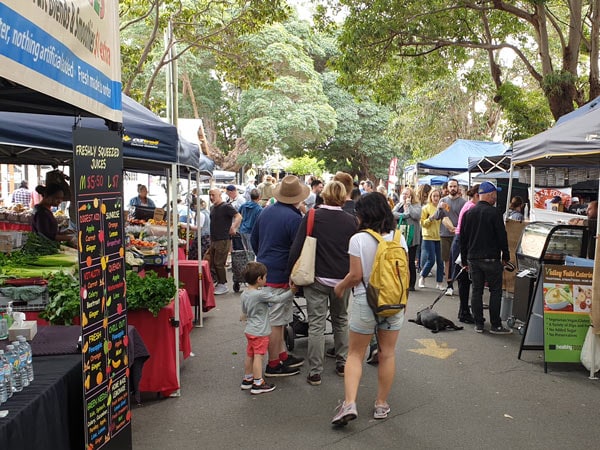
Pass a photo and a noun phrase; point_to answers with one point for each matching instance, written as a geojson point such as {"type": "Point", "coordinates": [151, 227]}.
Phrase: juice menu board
{"type": "Point", "coordinates": [98, 168]}
{"type": "Point", "coordinates": [567, 294]}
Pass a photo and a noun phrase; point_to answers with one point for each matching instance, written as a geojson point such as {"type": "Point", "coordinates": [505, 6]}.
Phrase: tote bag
{"type": "Point", "coordinates": [408, 231]}
{"type": "Point", "coordinates": [303, 272]}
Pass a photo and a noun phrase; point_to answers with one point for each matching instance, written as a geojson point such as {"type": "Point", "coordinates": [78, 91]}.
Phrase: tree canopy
{"type": "Point", "coordinates": [554, 41]}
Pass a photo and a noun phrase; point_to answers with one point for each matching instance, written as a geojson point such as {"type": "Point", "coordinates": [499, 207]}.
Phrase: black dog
{"type": "Point", "coordinates": [433, 321]}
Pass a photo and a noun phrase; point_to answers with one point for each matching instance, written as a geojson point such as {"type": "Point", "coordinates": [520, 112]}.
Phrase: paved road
{"type": "Point", "coordinates": [478, 396]}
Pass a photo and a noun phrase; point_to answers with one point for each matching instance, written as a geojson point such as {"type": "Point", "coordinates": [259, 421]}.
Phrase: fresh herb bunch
{"type": "Point", "coordinates": [64, 301]}
{"type": "Point", "coordinates": [37, 245]}
{"type": "Point", "coordinates": [150, 292]}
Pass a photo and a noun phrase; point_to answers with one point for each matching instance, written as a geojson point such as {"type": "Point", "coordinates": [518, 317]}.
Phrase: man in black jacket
{"type": "Point", "coordinates": [484, 252]}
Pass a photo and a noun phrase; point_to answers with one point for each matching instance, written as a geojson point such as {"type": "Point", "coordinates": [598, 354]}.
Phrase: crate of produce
{"type": "Point", "coordinates": [10, 240]}
{"type": "Point", "coordinates": [24, 297]}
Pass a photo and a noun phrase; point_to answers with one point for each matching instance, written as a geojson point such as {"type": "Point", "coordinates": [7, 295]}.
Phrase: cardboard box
{"type": "Point", "coordinates": [28, 330]}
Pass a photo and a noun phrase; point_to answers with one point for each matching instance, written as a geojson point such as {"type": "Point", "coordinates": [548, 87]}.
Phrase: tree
{"type": "Point", "coordinates": [208, 25]}
{"type": "Point", "coordinates": [361, 144]}
{"type": "Point", "coordinates": [289, 113]}
{"type": "Point", "coordinates": [553, 41]}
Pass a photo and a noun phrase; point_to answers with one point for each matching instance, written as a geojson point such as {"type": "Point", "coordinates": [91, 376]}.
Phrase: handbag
{"type": "Point", "coordinates": [586, 351]}
{"type": "Point", "coordinates": [407, 230]}
{"type": "Point", "coordinates": [303, 272]}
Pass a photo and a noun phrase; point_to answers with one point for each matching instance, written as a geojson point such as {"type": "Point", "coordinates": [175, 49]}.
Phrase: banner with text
{"type": "Point", "coordinates": [98, 169]}
{"type": "Point", "coordinates": [567, 293]}
{"type": "Point", "coordinates": [67, 49]}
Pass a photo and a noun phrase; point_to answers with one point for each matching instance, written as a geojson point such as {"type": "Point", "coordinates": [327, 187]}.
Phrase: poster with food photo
{"type": "Point", "coordinates": [567, 300]}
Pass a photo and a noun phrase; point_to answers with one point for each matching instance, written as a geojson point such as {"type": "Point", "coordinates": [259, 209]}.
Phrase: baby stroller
{"type": "Point", "coordinates": [298, 327]}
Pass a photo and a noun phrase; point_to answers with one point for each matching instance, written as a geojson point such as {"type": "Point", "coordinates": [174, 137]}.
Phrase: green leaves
{"type": "Point", "coordinates": [150, 292]}
{"type": "Point", "coordinates": [64, 303]}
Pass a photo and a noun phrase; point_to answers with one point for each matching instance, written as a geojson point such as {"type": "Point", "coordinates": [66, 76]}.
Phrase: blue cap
{"type": "Point", "coordinates": [486, 187]}
{"type": "Point", "coordinates": [231, 187]}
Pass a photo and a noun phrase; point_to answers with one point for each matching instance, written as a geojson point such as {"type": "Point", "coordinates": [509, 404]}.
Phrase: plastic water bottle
{"type": "Point", "coordinates": [13, 360]}
{"type": "Point", "coordinates": [27, 348]}
{"type": "Point", "coordinates": [3, 392]}
{"type": "Point", "coordinates": [6, 369]}
{"type": "Point", "coordinates": [526, 211]}
{"type": "Point", "coordinates": [22, 362]}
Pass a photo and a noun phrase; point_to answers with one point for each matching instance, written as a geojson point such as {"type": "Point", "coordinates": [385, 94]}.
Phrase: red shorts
{"type": "Point", "coordinates": [257, 345]}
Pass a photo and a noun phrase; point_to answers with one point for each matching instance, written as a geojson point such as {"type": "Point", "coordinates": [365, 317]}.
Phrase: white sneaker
{"type": "Point", "coordinates": [421, 282]}
{"type": "Point", "coordinates": [440, 287]}
{"type": "Point", "coordinates": [221, 289]}
{"type": "Point", "coordinates": [450, 291]}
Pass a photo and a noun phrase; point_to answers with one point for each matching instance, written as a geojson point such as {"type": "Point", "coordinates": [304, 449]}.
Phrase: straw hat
{"type": "Point", "coordinates": [290, 190]}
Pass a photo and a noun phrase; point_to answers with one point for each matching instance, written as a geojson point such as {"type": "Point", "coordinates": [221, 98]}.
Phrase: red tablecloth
{"type": "Point", "coordinates": [160, 371]}
{"type": "Point", "coordinates": [188, 275]}
{"type": "Point", "coordinates": [15, 226]}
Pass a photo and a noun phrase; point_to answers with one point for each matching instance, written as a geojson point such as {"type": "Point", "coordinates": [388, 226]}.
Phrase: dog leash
{"type": "Point", "coordinates": [462, 269]}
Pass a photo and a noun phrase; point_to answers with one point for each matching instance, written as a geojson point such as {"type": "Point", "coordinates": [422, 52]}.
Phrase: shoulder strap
{"type": "Point", "coordinates": [310, 221]}
{"type": "Point", "coordinates": [374, 234]}
{"type": "Point", "coordinates": [397, 235]}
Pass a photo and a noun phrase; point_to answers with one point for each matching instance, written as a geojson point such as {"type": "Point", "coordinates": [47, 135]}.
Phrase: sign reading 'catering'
{"type": "Point", "coordinates": [67, 49]}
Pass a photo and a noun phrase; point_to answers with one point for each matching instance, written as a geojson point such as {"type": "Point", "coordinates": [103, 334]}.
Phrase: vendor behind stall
{"type": "Point", "coordinates": [142, 198]}
{"type": "Point", "coordinates": [44, 221]}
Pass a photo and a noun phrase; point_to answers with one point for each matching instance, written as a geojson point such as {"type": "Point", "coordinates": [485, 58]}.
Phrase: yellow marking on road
{"type": "Point", "coordinates": [432, 348]}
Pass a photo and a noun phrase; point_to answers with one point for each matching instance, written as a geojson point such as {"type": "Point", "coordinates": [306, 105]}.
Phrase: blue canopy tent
{"type": "Point", "coordinates": [455, 159]}
{"type": "Point", "coordinates": [149, 143]}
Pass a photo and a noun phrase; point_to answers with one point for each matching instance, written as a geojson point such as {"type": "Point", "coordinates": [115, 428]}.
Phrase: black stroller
{"type": "Point", "coordinates": [298, 327]}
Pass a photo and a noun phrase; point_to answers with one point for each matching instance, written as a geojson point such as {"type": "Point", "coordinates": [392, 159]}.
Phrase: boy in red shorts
{"type": "Point", "coordinates": [255, 307]}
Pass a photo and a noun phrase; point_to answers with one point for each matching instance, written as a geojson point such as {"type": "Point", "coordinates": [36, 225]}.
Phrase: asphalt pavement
{"type": "Point", "coordinates": [455, 389]}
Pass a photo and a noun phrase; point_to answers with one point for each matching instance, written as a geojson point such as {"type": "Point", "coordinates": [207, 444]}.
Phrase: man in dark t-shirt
{"type": "Point", "coordinates": [224, 223]}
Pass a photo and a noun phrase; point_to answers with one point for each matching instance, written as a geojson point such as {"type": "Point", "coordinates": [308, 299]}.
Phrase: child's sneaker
{"type": "Point", "coordinates": [262, 388]}
{"type": "Point", "coordinates": [345, 414]}
{"type": "Point", "coordinates": [246, 384]}
{"type": "Point", "coordinates": [381, 411]}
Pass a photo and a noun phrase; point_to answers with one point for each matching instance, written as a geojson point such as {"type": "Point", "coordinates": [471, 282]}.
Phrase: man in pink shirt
{"type": "Point", "coordinates": [464, 284]}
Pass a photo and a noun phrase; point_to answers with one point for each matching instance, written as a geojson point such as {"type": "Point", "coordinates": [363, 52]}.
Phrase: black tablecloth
{"type": "Point", "coordinates": [48, 413]}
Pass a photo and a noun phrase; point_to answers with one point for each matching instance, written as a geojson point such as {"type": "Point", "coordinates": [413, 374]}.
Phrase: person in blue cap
{"type": "Point", "coordinates": [484, 253]}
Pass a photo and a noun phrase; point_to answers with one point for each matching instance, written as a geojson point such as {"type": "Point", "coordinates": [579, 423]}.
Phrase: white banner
{"type": "Point", "coordinates": [67, 49]}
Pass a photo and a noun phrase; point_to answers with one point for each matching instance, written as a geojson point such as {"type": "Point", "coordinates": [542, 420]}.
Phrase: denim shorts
{"type": "Point", "coordinates": [280, 314]}
{"type": "Point", "coordinates": [362, 319]}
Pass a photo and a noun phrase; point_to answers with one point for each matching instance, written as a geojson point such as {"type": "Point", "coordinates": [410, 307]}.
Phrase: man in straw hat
{"type": "Point", "coordinates": [271, 239]}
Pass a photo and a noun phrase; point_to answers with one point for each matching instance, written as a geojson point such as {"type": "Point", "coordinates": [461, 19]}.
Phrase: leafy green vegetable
{"type": "Point", "coordinates": [38, 244]}
{"type": "Point", "coordinates": [150, 292]}
{"type": "Point", "coordinates": [64, 301]}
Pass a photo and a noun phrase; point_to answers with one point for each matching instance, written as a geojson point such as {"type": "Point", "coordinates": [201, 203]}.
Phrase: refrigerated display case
{"type": "Point", "coordinates": [545, 242]}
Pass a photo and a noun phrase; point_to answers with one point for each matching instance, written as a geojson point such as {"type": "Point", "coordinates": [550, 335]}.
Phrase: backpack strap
{"type": "Point", "coordinates": [310, 221]}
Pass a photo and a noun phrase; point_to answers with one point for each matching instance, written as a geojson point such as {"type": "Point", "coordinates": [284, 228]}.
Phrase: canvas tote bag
{"type": "Point", "coordinates": [303, 272]}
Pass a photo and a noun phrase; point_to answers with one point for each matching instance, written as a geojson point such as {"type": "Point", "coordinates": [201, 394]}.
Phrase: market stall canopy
{"type": "Point", "coordinates": [579, 112]}
{"type": "Point", "coordinates": [573, 143]}
{"type": "Point", "coordinates": [455, 159]}
{"type": "Point", "coordinates": [190, 157]}
{"type": "Point", "coordinates": [487, 164]}
{"type": "Point", "coordinates": [149, 143]}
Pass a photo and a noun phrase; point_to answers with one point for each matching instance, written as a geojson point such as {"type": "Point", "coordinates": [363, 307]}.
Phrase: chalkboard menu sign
{"type": "Point", "coordinates": [98, 169]}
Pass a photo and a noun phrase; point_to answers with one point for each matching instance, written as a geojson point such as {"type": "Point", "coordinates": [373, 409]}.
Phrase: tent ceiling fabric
{"type": "Point", "coordinates": [149, 143]}
{"type": "Point", "coordinates": [456, 157]}
{"type": "Point", "coordinates": [572, 143]}
{"type": "Point", "coordinates": [17, 98]}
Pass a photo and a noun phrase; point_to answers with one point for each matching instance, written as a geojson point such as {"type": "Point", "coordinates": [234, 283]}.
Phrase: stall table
{"type": "Point", "coordinates": [160, 371]}
{"type": "Point", "coordinates": [188, 275]}
{"type": "Point", "coordinates": [49, 412]}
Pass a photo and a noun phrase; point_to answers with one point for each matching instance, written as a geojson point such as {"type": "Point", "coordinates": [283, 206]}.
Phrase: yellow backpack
{"type": "Point", "coordinates": [387, 290]}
